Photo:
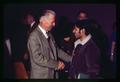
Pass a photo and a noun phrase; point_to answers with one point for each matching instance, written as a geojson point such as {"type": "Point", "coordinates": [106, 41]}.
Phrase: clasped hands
{"type": "Point", "coordinates": [61, 65]}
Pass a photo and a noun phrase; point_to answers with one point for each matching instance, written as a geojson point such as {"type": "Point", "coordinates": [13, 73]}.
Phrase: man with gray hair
{"type": "Point", "coordinates": [43, 51]}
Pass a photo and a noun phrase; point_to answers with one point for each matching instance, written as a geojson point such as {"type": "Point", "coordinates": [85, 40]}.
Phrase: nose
{"type": "Point", "coordinates": [73, 31]}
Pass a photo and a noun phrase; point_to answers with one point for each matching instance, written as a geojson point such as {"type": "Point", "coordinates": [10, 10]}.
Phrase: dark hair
{"type": "Point", "coordinates": [84, 24]}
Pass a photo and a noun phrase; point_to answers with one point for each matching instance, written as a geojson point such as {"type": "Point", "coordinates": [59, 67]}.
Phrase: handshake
{"type": "Point", "coordinates": [61, 65]}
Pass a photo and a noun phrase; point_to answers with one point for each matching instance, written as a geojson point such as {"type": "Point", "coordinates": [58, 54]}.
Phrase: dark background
{"type": "Point", "coordinates": [104, 14]}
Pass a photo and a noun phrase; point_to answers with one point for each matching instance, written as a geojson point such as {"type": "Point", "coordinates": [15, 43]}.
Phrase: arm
{"type": "Point", "coordinates": [61, 54]}
{"type": "Point", "coordinates": [64, 56]}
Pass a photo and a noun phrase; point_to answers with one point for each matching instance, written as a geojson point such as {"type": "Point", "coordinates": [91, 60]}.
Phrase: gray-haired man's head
{"type": "Point", "coordinates": [47, 20]}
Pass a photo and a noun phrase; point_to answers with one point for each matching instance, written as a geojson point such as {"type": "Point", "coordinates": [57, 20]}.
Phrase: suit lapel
{"type": "Point", "coordinates": [53, 47]}
{"type": "Point", "coordinates": [46, 44]}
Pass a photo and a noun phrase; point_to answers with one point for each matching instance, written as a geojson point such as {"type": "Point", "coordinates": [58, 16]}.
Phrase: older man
{"type": "Point", "coordinates": [43, 51]}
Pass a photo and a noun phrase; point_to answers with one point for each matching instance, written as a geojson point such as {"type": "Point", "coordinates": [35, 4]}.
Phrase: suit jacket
{"type": "Point", "coordinates": [43, 62]}
{"type": "Point", "coordinates": [86, 60]}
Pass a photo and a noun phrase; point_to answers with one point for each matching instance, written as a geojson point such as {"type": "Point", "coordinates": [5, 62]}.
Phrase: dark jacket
{"type": "Point", "coordinates": [86, 60]}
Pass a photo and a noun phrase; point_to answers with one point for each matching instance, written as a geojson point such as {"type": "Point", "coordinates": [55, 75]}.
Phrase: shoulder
{"type": "Point", "coordinates": [92, 44]}
{"type": "Point", "coordinates": [35, 33]}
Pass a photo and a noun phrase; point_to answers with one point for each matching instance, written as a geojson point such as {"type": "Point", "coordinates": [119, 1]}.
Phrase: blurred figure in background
{"type": "Point", "coordinates": [30, 21]}
{"type": "Point", "coordinates": [113, 52]}
{"type": "Point", "coordinates": [82, 15]}
{"type": "Point", "coordinates": [8, 72]}
{"type": "Point", "coordinates": [19, 41]}
{"type": "Point", "coordinates": [62, 33]}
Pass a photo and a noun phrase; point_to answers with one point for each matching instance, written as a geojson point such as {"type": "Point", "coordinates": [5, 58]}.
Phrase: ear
{"type": "Point", "coordinates": [82, 30]}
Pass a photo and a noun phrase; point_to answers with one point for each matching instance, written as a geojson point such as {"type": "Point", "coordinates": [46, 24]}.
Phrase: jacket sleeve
{"type": "Point", "coordinates": [61, 54]}
{"type": "Point", "coordinates": [64, 56]}
{"type": "Point", "coordinates": [36, 54]}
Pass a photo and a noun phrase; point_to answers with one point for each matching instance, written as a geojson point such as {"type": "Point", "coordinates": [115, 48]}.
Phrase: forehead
{"type": "Point", "coordinates": [51, 18]}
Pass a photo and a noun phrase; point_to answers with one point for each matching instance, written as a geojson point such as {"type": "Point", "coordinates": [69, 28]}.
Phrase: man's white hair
{"type": "Point", "coordinates": [47, 12]}
{"type": "Point", "coordinates": [46, 15]}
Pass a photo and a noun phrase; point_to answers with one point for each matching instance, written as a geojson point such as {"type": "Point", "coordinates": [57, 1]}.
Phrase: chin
{"type": "Point", "coordinates": [77, 37]}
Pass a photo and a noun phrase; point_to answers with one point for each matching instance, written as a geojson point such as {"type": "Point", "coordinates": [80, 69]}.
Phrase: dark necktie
{"type": "Point", "coordinates": [49, 42]}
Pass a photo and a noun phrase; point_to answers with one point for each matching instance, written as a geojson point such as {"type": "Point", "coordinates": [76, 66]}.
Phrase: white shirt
{"type": "Point", "coordinates": [32, 24]}
{"type": "Point", "coordinates": [83, 42]}
{"type": "Point", "coordinates": [43, 31]}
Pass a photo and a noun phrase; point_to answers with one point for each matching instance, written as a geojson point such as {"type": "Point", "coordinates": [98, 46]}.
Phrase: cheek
{"type": "Point", "coordinates": [46, 24]}
{"type": "Point", "coordinates": [77, 33]}
{"type": "Point", "coordinates": [50, 24]}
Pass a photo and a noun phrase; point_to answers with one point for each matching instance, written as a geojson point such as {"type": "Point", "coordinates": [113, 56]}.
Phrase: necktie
{"type": "Point", "coordinates": [49, 42]}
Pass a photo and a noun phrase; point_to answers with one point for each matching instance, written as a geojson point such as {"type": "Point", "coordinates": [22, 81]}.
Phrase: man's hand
{"type": "Point", "coordinates": [61, 65]}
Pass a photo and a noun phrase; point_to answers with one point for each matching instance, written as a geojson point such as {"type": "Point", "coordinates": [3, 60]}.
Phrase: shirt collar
{"type": "Point", "coordinates": [43, 31]}
{"type": "Point", "coordinates": [83, 42]}
{"type": "Point", "coordinates": [76, 43]}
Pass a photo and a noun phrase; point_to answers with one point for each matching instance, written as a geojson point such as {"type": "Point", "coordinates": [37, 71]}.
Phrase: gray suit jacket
{"type": "Point", "coordinates": [43, 62]}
